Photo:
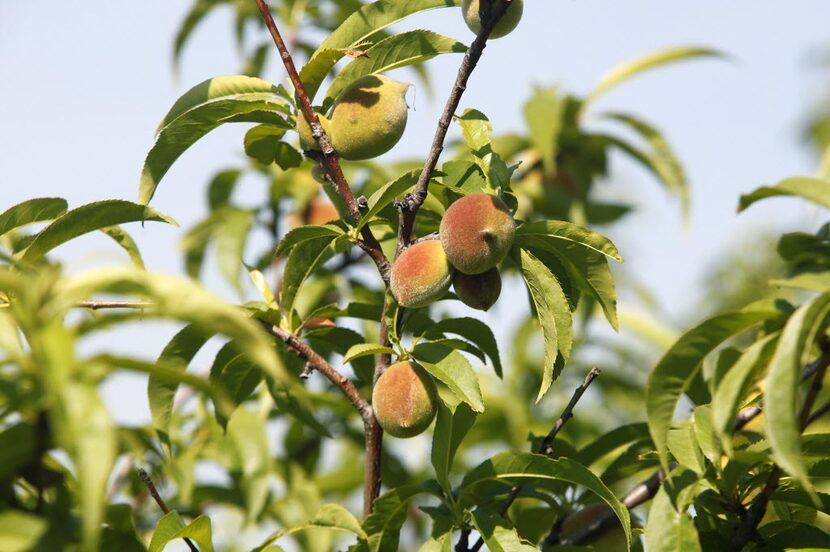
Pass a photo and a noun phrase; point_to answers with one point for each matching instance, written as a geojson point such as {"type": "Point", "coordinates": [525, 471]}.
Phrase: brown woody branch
{"type": "Point", "coordinates": [371, 487]}
{"type": "Point", "coordinates": [145, 478]}
{"type": "Point", "coordinates": [412, 202]}
{"type": "Point", "coordinates": [748, 530]}
{"type": "Point", "coordinates": [546, 446]}
{"type": "Point", "coordinates": [647, 489]}
{"type": "Point", "coordinates": [328, 160]}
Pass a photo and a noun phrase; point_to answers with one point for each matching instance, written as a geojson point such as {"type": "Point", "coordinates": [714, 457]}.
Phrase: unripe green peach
{"type": "Point", "coordinates": [472, 17]}
{"type": "Point", "coordinates": [479, 291]}
{"type": "Point", "coordinates": [611, 539]}
{"type": "Point", "coordinates": [307, 140]}
{"type": "Point", "coordinates": [368, 117]}
{"type": "Point", "coordinates": [405, 399]}
{"type": "Point", "coordinates": [421, 275]}
{"type": "Point", "coordinates": [477, 232]}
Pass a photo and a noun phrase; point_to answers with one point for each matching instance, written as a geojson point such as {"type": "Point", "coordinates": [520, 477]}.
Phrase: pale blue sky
{"type": "Point", "coordinates": [83, 86]}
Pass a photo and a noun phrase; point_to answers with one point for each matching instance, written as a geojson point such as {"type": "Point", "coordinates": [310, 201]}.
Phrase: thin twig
{"type": "Point", "coordinates": [371, 487]}
{"type": "Point", "coordinates": [546, 446]}
{"type": "Point", "coordinates": [145, 478]}
{"type": "Point", "coordinates": [646, 490]}
{"type": "Point", "coordinates": [97, 305]}
{"type": "Point", "coordinates": [328, 160]}
{"type": "Point", "coordinates": [413, 201]}
{"type": "Point", "coordinates": [748, 530]}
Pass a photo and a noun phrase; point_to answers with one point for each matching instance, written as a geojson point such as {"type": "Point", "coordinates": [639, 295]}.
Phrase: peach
{"type": "Point", "coordinates": [421, 275]}
{"type": "Point", "coordinates": [479, 291]}
{"type": "Point", "coordinates": [477, 232]}
{"type": "Point", "coordinates": [368, 117]}
{"type": "Point", "coordinates": [470, 11]}
{"type": "Point", "coordinates": [405, 399]}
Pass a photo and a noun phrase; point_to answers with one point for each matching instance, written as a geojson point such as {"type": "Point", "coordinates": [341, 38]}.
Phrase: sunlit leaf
{"type": "Point", "coordinates": [811, 189]}
{"type": "Point", "coordinates": [782, 418]}
{"type": "Point", "coordinates": [87, 218]}
{"type": "Point", "coordinates": [30, 211]}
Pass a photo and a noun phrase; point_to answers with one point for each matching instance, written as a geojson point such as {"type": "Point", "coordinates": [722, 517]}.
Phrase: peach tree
{"type": "Point", "coordinates": [365, 329]}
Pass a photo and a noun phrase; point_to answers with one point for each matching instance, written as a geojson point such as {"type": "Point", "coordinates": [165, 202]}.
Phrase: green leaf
{"type": "Point", "coordinates": [161, 391]}
{"type": "Point", "coordinates": [304, 258]}
{"type": "Point", "coordinates": [811, 281]}
{"type": "Point", "coordinates": [734, 385]}
{"type": "Point", "coordinates": [335, 516]}
{"type": "Point", "coordinates": [553, 311]}
{"type": "Point", "coordinates": [450, 428]}
{"type": "Point", "coordinates": [171, 527]}
{"type": "Point", "coordinates": [682, 444]}
{"type": "Point", "coordinates": [17, 448]}
{"type": "Point", "coordinates": [294, 401]}
{"type": "Point", "coordinates": [231, 234]}
{"type": "Point", "coordinates": [384, 524]}
{"type": "Point", "coordinates": [782, 418]}
{"type": "Point", "coordinates": [454, 370]}
{"type": "Point", "coordinates": [543, 114]}
{"type": "Point", "coordinates": [669, 527]}
{"type": "Point", "coordinates": [19, 531]}
{"type": "Point", "coordinates": [246, 434]}
{"type": "Point", "coordinates": [400, 50]}
{"type": "Point", "coordinates": [197, 12]}
{"type": "Point", "coordinates": [221, 187]}
{"type": "Point", "coordinates": [569, 232]}
{"type": "Point", "coordinates": [264, 143]}
{"type": "Point", "coordinates": [183, 300]}
{"type": "Point", "coordinates": [811, 189]}
{"type": "Point", "coordinates": [87, 433]}
{"type": "Point", "coordinates": [662, 158]}
{"type": "Point", "coordinates": [355, 30]}
{"type": "Point", "coordinates": [521, 466]}
{"type": "Point", "coordinates": [234, 98]}
{"type": "Point", "coordinates": [235, 372]}
{"type": "Point", "coordinates": [645, 63]}
{"type": "Point", "coordinates": [498, 533]}
{"type": "Point", "coordinates": [30, 211]}
{"type": "Point", "coordinates": [87, 218]}
{"type": "Point", "coordinates": [127, 243]}
{"type": "Point", "coordinates": [675, 371]}
{"type": "Point", "coordinates": [473, 330]}
{"type": "Point", "coordinates": [304, 233]}
{"type": "Point", "coordinates": [365, 349]}
{"type": "Point", "coordinates": [611, 441]}
{"type": "Point", "coordinates": [441, 544]}
{"type": "Point", "coordinates": [386, 193]}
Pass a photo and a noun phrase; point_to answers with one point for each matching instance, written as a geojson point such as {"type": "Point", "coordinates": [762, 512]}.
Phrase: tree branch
{"type": "Point", "coordinates": [546, 446]}
{"type": "Point", "coordinates": [646, 490]}
{"type": "Point", "coordinates": [98, 305]}
{"type": "Point", "coordinates": [748, 530]}
{"type": "Point", "coordinates": [145, 478]}
{"type": "Point", "coordinates": [413, 201]}
{"type": "Point", "coordinates": [328, 160]}
{"type": "Point", "coordinates": [373, 434]}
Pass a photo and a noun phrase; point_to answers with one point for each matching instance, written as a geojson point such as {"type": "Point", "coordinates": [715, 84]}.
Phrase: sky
{"type": "Point", "coordinates": [83, 86]}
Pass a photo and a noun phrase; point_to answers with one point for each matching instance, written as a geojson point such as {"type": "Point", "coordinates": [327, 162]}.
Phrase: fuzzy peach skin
{"type": "Point", "coordinates": [478, 291]}
{"type": "Point", "coordinates": [477, 232]}
{"type": "Point", "coordinates": [470, 11]}
{"type": "Point", "coordinates": [421, 275]}
{"type": "Point", "coordinates": [368, 117]}
{"type": "Point", "coordinates": [405, 399]}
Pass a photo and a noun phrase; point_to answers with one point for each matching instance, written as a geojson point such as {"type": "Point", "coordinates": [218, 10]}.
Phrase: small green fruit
{"type": "Point", "coordinates": [472, 16]}
{"type": "Point", "coordinates": [405, 399]}
{"type": "Point", "coordinates": [421, 275]}
{"type": "Point", "coordinates": [479, 291]}
{"type": "Point", "coordinates": [368, 117]}
{"type": "Point", "coordinates": [307, 140]}
{"type": "Point", "coordinates": [477, 232]}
